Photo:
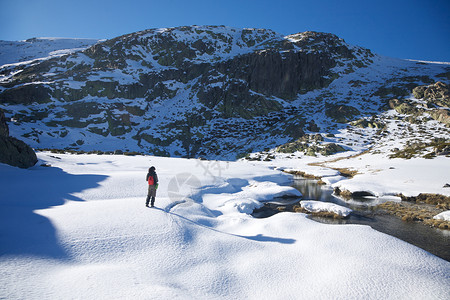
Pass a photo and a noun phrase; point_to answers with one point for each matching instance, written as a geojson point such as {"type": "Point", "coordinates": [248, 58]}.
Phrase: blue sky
{"type": "Point", "coordinates": [397, 28]}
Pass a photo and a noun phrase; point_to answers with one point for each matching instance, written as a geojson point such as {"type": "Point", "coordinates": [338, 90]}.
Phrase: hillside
{"type": "Point", "coordinates": [220, 92]}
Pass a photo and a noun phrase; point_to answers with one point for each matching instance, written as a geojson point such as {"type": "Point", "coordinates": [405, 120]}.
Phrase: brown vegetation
{"type": "Point", "coordinates": [303, 174]}
{"type": "Point", "coordinates": [440, 201]}
{"type": "Point", "coordinates": [325, 214]}
{"type": "Point", "coordinates": [419, 212]}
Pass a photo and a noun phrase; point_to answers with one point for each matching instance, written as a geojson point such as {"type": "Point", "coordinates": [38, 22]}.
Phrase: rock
{"type": "Point", "coordinates": [26, 94]}
{"type": "Point", "coordinates": [442, 151]}
{"type": "Point", "coordinates": [446, 185]}
{"type": "Point", "coordinates": [406, 109]}
{"type": "Point", "coordinates": [293, 147]}
{"type": "Point", "coordinates": [437, 93]}
{"type": "Point", "coordinates": [393, 103]}
{"type": "Point", "coordinates": [341, 113]}
{"type": "Point", "coordinates": [312, 126]}
{"type": "Point", "coordinates": [441, 115]}
{"type": "Point", "coordinates": [331, 148]}
{"type": "Point", "coordinates": [419, 92]}
{"type": "Point", "coordinates": [16, 153]}
{"type": "Point", "coordinates": [13, 151]}
{"type": "Point", "coordinates": [4, 130]}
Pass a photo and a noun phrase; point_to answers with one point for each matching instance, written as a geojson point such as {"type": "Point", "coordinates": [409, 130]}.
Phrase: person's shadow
{"type": "Point", "coordinates": [23, 231]}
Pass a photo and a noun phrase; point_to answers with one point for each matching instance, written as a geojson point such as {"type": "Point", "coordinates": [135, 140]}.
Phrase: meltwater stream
{"type": "Point", "coordinates": [433, 240]}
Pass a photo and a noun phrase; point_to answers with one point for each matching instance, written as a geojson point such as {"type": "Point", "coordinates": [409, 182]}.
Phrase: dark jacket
{"type": "Point", "coordinates": [155, 177]}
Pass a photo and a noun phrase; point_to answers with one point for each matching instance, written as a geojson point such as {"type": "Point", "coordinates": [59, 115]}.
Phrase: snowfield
{"type": "Point", "coordinates": [80, 230]}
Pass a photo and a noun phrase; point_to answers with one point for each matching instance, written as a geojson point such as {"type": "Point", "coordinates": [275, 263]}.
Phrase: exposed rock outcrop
{"type": "Point", "coordinates": [341, 113]}
{"type": "Point", "coordinates": [13, 151]}
{"type": "Point", "coordinates": [4, 130]}
{"type": "Point", "coordinates": [437, 93]}
{"type": "Point", "coordinates": [441, 115]}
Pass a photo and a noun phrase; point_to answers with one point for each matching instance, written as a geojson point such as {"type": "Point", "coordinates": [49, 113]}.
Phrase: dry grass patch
{"type": "Point", "coordinates": [325, 214]}
{"type": "Point", "coordinates": [303, 174]}
{"type": "Point", "coordinates": [346, 172]}
{"type": "Point", "coordinates": [441, 224]}
{"type": "Point", "coordinates": [440, 201]}
{"type": "Point", "coordinates": [346, 194]}
{"type": "Point", "coordinates": [416, 212]}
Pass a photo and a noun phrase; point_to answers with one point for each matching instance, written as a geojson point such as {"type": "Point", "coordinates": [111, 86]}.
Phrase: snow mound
{"type": "Point", "coordinates": [445, 215]}
{"type": "Point", "coordinates": [332, 179]}
{"type": "Point", "coordinates": [319, 206]}
{"type": "Point", "coordinates": [266, 191]}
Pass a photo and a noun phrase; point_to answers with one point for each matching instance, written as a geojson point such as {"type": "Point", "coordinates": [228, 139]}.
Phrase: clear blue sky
{"type": "Point", "coordinates": [417, 29]}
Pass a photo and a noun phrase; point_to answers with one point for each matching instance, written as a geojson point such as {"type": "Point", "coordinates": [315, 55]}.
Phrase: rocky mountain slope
{"type": "Point", "coordinates": [221, 92]}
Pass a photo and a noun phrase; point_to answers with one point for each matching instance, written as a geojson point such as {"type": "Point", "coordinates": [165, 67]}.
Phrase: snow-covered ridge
{"type": "Point", "coordinates": [430, 62]}
{"type": "Point", "coordinates": [37, 48]}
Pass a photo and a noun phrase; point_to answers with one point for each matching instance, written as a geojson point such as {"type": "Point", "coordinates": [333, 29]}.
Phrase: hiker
{"type": "Point", "coordinates": [152, 180]}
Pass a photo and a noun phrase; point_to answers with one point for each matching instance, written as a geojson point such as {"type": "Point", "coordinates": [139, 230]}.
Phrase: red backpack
{"type": "Point", "coordinates": [151, 180]}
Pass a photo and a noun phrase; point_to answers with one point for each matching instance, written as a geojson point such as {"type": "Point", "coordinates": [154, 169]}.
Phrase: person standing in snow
{"type": "Point", "coordinates": [152, 180]}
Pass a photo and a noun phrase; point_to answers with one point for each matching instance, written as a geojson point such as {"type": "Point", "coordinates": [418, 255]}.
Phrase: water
{"type": "Point", "coordinates": [431, 239]}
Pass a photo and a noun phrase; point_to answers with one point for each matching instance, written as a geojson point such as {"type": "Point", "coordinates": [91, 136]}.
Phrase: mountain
{"type": "Point", "coordinates": [221, 92]}
{"type": "Point", "coordinates": [12, 52]}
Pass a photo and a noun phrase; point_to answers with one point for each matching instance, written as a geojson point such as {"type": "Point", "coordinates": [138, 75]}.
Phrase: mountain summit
{"type": "Point", "coordinates": [210, 91]}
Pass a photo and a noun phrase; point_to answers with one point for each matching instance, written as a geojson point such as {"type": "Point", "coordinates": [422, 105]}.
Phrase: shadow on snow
{"type": "Point", "coordinates": [258, 237]}
{"type": "Point", "coordinates": [22, 230]}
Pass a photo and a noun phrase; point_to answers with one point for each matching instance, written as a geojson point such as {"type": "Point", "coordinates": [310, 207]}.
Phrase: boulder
{"type": "Point", "coordinates": [331, 148]}
{"type": "Point", "coordinates": [437, 93]}
{"type": "Point", "coordinates": [341, 113]}
{"type": "Point", "coordinates": [419, 91]}
{"type": "Point", "coordinates": [441, 115]}
{"type": "Point", "coordinates": [393, 103]}
{"type": "Point", "coordinates": [13, 151]}
{"type": "Point", "coordinates": [16, 153]}
{"type": "Point", "coordinates": [406, 109]}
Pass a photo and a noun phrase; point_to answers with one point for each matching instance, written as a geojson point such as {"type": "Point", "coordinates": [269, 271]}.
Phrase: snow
{"type": "Point", "coordinates": [445, 215]}
{"type": "Point", "coordinates": [80, 230]}
{"type": "Point", "coordinates": [383, 176]}
{"type": "Point", "coordinates": [319, 206]}
{"type": "Point", "coordinates": [38, 48]}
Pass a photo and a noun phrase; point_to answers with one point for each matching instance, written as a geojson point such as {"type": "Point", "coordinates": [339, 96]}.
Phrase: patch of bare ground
{"type": "Point", "coordinates": [421, 208]}
{"type": "Point", "coordinates": [345, 172]}
{"type": "Point", "coordinates": [303, 174]}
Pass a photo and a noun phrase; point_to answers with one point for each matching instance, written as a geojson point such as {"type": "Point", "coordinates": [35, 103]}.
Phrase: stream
{"type": "Point", "coordinates": [431, 239]}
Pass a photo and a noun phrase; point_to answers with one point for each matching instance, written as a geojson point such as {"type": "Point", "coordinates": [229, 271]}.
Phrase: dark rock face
{"type": "Point", "coordinates": [13, 151]}
{"type": "Point", "coordinates": [26, 95]}
{"type": "Point", "coordinates": [4, 130]}
{"type": "Point", "coordinates": [283, 75]}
